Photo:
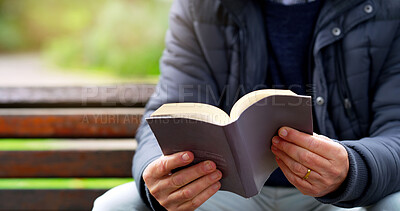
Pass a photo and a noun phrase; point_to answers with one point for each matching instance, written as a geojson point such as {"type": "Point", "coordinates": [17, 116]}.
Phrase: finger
{"type": "Point", "coordinates": [195, 188]}
{"type": "Point", "coordinates": [201, 198]}
{"type": "Point", "coordinates": [164, 165]}
{"type": "Point", "coordinates": [323, 137]}
{"type": "Point", "coordinates": [296, 167]}
{"type": "Point", "coordinates": [302, 185]}
{"type": "Point", "coordinates": [185, 176]}
{"type": "Point", "coordinates": [301, 155]}
{"type": "Point", "coordinates": [316, 144]}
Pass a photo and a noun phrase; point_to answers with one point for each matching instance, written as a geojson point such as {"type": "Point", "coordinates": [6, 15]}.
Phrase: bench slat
{"type": "Point", "coordinates": [78, 199]}
{"type": "Point", "coordinates": [69, 123]}
{"type": "Point", "coordinates": [126, 95]}
{"type": "Point", "coordinates": [68, 163]}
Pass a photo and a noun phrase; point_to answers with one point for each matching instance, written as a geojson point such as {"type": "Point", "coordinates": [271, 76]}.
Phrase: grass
{"type": "Point", "coordinates": [26, 144]}
{"type": "Point", "coordinates": [62, 183]}
{"type": "Point", "coordinates": [64, 144]}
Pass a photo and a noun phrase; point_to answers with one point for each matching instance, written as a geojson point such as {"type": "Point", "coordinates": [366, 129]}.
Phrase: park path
{"type": "Point", "coordinates": [30, 70]}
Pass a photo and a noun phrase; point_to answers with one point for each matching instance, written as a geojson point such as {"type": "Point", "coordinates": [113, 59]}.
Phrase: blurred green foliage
{"type": "Point", "coordinates": [30, 24]}
{"type": "Point", "coordinates": [119, 37]}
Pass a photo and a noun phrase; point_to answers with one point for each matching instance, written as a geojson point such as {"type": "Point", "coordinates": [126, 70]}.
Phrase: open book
{"type": "Point", "coordinates": [238, 143]}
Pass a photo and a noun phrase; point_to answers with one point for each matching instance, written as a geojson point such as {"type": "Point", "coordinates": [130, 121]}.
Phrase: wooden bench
{"type": "Point", "coordinates": [91, 112]}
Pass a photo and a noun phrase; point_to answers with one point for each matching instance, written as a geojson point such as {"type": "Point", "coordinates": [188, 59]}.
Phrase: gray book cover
{"type": "Point", "coordinates": [240, 149]}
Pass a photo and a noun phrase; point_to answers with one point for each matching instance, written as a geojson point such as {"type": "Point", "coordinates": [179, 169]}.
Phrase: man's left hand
{"type": "Point", "coordinates": [298, 152]}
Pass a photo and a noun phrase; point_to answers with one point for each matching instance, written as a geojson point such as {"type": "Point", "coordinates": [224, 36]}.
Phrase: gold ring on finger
{"type": "Point", "coordinates": [307, 174]}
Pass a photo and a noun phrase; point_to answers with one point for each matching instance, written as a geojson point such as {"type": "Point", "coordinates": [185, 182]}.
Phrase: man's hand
{"type": "Point", "coordinates": [296, 152]}
{"type": "Point", "coordinates": [186, 189]}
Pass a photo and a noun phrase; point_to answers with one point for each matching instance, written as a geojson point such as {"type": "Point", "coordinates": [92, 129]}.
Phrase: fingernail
{"type": "Point", "coordinates": [216, 186]}
{"type": "Point", "coordinates": [215, 175]}
{"type": "Point", "coordinates": [275, 140]}
{"type": "Point", "coordinates": [185, 157]}
{"type": "Point", "coordinates": [283, 132]}
{"type": "Point", "coordinates": [208, 166]}
{"type": "Point", "coordinates": [274, 148]}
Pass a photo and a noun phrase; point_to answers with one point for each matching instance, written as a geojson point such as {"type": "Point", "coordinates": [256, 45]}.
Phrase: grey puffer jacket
{"type": "Point", "coordinates": [216, 52]}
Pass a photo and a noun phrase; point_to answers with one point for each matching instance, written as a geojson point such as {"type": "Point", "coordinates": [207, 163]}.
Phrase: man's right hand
{"type": "Point", "coordinates": [186, 189]}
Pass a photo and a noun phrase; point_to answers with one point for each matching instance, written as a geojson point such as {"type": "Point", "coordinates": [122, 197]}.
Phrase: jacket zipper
{"type": "Point", "coordinates": [242, 44]}
{"type": "Point", "coordinates": [344, 90]}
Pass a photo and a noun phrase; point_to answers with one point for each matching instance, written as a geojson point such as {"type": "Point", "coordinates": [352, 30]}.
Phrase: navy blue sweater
{"type": "Point", "coordinates": [289, 32]}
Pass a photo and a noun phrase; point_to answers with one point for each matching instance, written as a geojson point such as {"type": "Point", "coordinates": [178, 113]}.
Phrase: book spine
{"type": "Point", "coordinates": [241, 158]}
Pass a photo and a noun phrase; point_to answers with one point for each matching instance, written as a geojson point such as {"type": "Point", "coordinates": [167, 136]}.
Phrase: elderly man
{"type": "Point", "coordinates": [345, 54]}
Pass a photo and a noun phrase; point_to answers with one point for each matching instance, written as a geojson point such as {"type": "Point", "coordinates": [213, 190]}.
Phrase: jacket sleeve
{"type": "Point", "coordinates": [375, 160]}
{"type": "Point", "coordinates": [185, 77]}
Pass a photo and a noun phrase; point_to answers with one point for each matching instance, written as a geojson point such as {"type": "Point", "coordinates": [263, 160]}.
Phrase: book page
{"type": "Point", "coordinates": [249, 99]}
{"type": "Point", "coordinates": [195, 111]}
